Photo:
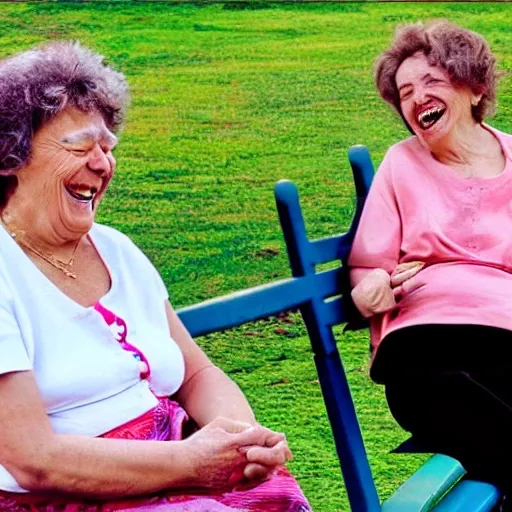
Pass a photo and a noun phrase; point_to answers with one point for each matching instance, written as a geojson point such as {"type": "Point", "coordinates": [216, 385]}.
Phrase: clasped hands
{"type": "Point", "coordinates": [225, 452]}
{"type": "Point", "coordinates": [379, 291]}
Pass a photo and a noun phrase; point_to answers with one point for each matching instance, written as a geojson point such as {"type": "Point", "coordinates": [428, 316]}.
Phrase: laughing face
{"type": "Point", "coordinates": [430, 103]}
{"type": "Point", "coordinates": [70, 167]}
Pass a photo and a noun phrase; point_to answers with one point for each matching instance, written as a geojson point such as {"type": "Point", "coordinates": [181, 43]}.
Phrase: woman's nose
{"type": "Point", "coordinates": [420, 96]}
{"type": "Point", "coordinates": [98, 161]}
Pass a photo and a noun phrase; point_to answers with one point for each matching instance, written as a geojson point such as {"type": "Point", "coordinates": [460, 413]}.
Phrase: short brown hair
{"type": "Point", "coordinates": [465, 55]}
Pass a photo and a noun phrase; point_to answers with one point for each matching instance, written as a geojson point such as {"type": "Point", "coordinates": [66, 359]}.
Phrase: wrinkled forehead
{"type": "Point", "coordinates": [415, 68]}
{"type": "Point", "coordinates": [72, 126]}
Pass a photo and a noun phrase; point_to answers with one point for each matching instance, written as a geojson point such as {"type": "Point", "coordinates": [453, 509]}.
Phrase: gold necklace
{"type": "Point", "coordinates": [23, 241]}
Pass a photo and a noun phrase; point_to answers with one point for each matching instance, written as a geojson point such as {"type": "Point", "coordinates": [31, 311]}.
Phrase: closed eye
{"type": "Point", "coordinates": [78, 152]}
{"type": "Point", "coordinates": [405, 94]}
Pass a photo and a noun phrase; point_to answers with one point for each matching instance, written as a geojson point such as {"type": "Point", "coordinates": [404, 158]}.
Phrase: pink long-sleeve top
{"type": "Point", "coordinates": [419, 209]}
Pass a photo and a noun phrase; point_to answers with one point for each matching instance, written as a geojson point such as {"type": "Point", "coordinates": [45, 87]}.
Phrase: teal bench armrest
{"type": "Point", "coordinates": [470, 495]}
{"type": "Point", "coordinates": [426, 487]}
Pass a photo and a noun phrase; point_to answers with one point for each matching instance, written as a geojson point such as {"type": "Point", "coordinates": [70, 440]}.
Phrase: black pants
{"type": "Point", "coordinates": [451, 387]}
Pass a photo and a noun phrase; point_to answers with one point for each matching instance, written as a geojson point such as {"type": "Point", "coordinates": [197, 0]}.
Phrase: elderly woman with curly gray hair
{"type": "Point", "coordinates": [431, 263]}
{"type": "Point", "coordinates": [99, 380]}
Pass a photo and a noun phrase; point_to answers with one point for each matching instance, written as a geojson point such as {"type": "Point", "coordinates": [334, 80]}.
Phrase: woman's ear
{"type": "Point", "coordinates": [475, 100]}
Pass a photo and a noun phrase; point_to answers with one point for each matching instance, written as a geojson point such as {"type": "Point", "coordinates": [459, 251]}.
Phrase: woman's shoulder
{"type": "Point", "coordinates": [400, 159]}
{"type": "Point", "coordinates": [504, 136]}
{"type": "Point", "coordinates": [404, 150]}
{"type": "Point", "coordinates": [9, 260]}
{"type": "Point", "coordinates": [497, 130]}
{"type": "Point", "coordinates": [108, 233]}
{"type": "Point", "coordinates": [126, 257]}
{"type": "Point", "coordinates": [110, 241]}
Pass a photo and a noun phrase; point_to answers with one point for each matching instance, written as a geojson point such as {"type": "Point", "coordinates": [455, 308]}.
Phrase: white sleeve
{"type": "Point", "coordinates": [13, 353]}
{"type": "Point", "coordinates": [159, 283]}
{"type": "Point", "coordinates": [148, 271]}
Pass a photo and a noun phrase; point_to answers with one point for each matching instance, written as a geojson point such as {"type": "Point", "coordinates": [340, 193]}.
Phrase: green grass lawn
{"type": "Point", "coordinates": [227, 100]}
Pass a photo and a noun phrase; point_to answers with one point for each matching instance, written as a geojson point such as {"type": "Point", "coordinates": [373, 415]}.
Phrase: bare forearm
{"type": "Point", "coordinates": [106, 467]}
{"type": "Point", "coordinates": [210, 394]}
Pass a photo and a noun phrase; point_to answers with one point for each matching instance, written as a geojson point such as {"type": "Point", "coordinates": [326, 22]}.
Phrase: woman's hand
{"type": "Point", "coordinates": [403, 277]}
{"type": "Point", "coordinates": [376, 293]}
{"type": "Point", "coordinates": [208, 393]}
{"type": "Point", "coordinates": [373, 294]}
{"type": "Point", "coordinates": [224, 450]}
{"type": "Point", "coordinates": [264, 460]}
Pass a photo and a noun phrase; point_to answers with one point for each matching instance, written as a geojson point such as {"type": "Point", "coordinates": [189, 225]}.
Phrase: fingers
{"type": "Point", "coordinates": [377, 292]}
{"type": "Point", "coordinates": [397, 291]}
{"type": "Point", "coordinates": [405, 271]}
{"type": "Point", "coordinates": [277, 438]}
{"type": "Point", "coordinates": [275, 456]}
{"type": "Point", "coordinates": [403, 278]}
{"type": "Point", "coordinates": [410, 285]}
{"type": "Point", "coordinates": [255, 435]}
{"type": "Point", "coordinates": [409, 264]}
{"type": "Point", "coordinates": [282, 445]}
{"type": "Point", "coordinates": [409, 268]}
{"type": "Point", "coordinates": [273, 438]}
{"type": "Point", "coordinates": [238, 474]}
{"type": "Point", "coordinates": [259, 444]}
{"type": "Point", "coordinates": [243, 434]}
{"type": "Point", "coordinates": [230, 426]}
{"type": "Point", "coordinates": [255, 471]}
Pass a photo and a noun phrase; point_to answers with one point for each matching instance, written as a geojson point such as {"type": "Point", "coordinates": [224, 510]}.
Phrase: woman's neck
{"type": "Point", "coordinates": [464, 146]}
{"type": "Point", "coordinates": [472, 153]}
{"type": "Point", "coordinates": [37, 230]}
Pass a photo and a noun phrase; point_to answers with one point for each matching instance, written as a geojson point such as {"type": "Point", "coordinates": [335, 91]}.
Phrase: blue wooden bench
{"type": "Point", "coordinates": [322, 298]}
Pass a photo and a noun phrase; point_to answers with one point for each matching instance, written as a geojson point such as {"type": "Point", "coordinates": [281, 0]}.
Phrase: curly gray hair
{"type": "Point", "coordinates": [38, 84]}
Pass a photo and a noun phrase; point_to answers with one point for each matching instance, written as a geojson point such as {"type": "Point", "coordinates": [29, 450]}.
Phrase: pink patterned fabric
{"type": "Point", "coordinates": [167, 422]}
{"type": "Point", "coordinates": [120, 332]}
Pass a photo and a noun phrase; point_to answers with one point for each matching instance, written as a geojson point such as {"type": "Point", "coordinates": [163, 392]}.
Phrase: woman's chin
{"type": "Point", "coordinates": [432, 138]}
{"type": "Point", "coordinates": [78, 216]}
{"type": "Point", "coordinates": [76, 225]}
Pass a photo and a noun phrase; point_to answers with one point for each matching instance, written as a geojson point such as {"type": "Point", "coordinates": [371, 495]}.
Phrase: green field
{"type": "Point", "coordinates": [227, 99]}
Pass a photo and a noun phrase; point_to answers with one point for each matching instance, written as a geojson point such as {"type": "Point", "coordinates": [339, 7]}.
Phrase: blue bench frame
{"type": "Point", "coordinates": [323, 302]}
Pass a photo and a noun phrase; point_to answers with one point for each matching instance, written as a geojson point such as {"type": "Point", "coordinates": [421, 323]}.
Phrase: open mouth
{"type": "Point", "coordinates": [82, 193]}
{"type": "Point", "coordinates": [430, 117]}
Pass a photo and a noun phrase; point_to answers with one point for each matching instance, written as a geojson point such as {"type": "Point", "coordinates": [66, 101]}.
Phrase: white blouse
{"type": "Point", "coordinates": [88, 382]}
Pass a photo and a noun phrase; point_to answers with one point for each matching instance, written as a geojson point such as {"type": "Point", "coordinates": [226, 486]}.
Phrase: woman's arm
{"type": "Point", "coordinates": [375, 251]}
{"type": "Point", "coordinates": [377, 278]}
{"type": "Point", "coordinates": [207, 392]}
{"type": "Point", "coordinates": [41, 460]}
{"type": "Point", "coordinates": [379, 234]}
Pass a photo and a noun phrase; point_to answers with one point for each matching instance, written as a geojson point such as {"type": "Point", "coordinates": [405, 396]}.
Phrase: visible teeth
{"type": "Point", "coordinates": [429, 112]}
{"type": "Point", "coordinates": [85, 193]}
{"type": "Point", "coordinates": [82, 192]}
{"type": "Point", "coordinates": [430, 116]}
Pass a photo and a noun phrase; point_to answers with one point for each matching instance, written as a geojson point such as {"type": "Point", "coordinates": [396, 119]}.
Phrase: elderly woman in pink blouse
{"type": "Point", "coordinates": [431, 264]}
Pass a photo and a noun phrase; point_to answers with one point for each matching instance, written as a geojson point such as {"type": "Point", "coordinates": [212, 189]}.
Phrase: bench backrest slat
{"type": "Point", "coordinates": [328, 249]}
{"type": "Point", "coordinates": [323, 300]}
{"type": "Point", "coordinates": [320, 317]}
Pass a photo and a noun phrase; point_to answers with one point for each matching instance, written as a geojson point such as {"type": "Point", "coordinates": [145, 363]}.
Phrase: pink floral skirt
{"type": "Point", "coordinates": [166, 422]}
